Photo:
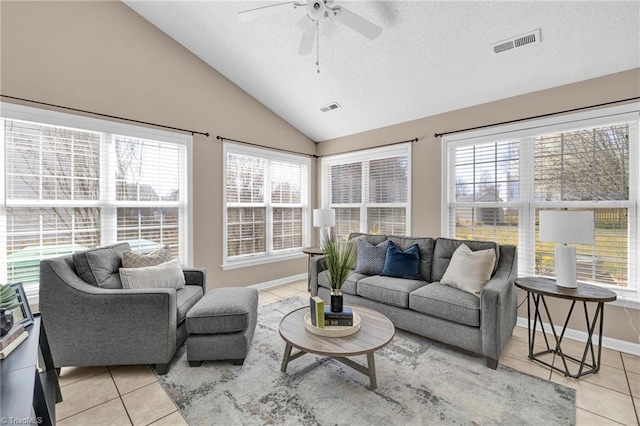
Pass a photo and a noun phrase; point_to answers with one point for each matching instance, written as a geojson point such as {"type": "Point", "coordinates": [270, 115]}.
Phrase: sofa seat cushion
{"type": "Point", "coordinates": [224, 310]}
{"type": "Point", "coordinates": [442, 301]}
{"type": "Point", "coordinates": [101, 266]}
{"type": "Point", "coordinates": [186, 297]}
{"type": "Point", "coordinates": [388, 290]}
{"type": "Point", "coordinates": [349, 285]}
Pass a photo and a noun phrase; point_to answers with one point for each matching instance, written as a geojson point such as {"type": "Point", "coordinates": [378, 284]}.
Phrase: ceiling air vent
{"type": "Point", "coordinates": [330, 107]}
{"type": "Point", "coordinates": [517, 41]}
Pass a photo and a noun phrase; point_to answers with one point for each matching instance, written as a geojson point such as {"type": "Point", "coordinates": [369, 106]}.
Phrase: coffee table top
{"type": "Point", "coordinates": [375, 332]}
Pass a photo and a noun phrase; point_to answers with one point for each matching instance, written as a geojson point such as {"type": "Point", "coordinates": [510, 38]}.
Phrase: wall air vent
{"type": "Point", "coordinates": [332, 106]}
{"type": "Point", "coordinates": [517, 41]}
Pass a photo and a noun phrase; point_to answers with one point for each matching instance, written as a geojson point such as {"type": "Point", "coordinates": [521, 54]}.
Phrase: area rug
{"type": "Point", "coordinates": [420, 382]}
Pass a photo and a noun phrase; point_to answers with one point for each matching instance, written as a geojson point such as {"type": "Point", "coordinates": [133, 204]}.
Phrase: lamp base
{"type": "Point", "coordinates": [566, 266]}
{"type": "Point", "coordinates": [324, 236]}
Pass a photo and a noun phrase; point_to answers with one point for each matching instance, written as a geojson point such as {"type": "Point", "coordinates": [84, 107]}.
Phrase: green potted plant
{"type": "Point", "coordinates": [8, 302]}
{"type": "Point", "coordinates": [340, 257]}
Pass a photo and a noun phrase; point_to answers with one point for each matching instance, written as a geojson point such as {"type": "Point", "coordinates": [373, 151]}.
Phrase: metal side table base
{"type": "Point", "coordinates": [537, 288]}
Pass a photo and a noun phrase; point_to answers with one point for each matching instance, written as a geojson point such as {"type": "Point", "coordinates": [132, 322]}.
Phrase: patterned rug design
{"type": "Point", "coordinates": [419, 383]}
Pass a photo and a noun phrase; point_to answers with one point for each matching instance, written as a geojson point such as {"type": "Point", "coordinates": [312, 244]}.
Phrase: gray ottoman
{"type": "Point", "coordinates": [221, 325]}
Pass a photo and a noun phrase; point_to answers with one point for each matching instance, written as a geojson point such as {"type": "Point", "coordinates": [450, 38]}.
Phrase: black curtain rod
{"type": "Point", "coordinates": [193, 132]}
{"type": "Point", "coordinates": [414, 140]}
{"type": "Point", "coordinates": [437, 135]}
{"type": "Point", "coordinates": [220, 138]}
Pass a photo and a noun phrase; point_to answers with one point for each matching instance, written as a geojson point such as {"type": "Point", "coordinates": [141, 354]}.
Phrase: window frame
{"type": "Point", "coordinates": [527, 205]}
{"type": "Point", "coordinates": [365, 156]}
{"type": "Point", "coordinates": [107, 203]}
{"type": "Point", "coordinates": [269, 255]}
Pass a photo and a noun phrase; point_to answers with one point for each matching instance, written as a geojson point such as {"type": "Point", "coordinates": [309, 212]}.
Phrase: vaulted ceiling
{"type": "Point", "coordinates": [431, 57]}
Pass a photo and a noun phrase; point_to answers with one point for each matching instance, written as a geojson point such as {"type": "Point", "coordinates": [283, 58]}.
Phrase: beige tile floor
{"type": "Point", "coordinates": [130, 395]}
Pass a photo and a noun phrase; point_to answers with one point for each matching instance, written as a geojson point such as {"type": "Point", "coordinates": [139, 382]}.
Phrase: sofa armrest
{"type": "Point", "coordinates": [195, 276]}
{"type": "Point", "coordinates": [317, 264]}
{"type": "Point", "coordinates": [88, 325]}
{"type": "Point", "coordinates": [498, 305]}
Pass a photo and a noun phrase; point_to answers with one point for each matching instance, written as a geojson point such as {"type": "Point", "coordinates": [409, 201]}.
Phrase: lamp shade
{"type": "Point", "coordinates": [576, 227]}
{"type": "Point", "coordinates": [324, 218]}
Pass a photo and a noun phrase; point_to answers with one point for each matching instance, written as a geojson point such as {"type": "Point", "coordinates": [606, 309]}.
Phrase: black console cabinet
{"type": "Point", "coordinates": [28, 395]}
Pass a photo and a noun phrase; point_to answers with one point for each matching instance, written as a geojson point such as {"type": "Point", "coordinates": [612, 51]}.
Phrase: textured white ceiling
{"type": "Point", "coordinates": [431, 57]}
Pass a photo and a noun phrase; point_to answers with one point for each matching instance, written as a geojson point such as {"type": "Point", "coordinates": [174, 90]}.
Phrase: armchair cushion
{"type": "Point", "coordinates": [165, 275]}
{"type": "Point", "coordinates": [100, 266]}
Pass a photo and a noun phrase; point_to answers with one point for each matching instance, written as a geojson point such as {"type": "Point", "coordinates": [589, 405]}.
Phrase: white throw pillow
{"type": "Point", "coordinates": [469, 270]}
{"type": "Point", "coordinates": [165, 275]}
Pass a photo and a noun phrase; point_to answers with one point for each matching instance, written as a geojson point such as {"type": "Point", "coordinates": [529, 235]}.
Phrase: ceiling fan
{"type": "Point", "coordinates": [315, 11]}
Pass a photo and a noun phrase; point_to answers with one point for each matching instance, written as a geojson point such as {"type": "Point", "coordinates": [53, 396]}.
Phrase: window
{"type": "Point", "coordinates": [369, 190]}
{"type": "Point", "coordinates": [266, 205]}
{"type": "Point", "coordinates": [497, 183]}
{"type": "Point", "coordinates": [70, 183]}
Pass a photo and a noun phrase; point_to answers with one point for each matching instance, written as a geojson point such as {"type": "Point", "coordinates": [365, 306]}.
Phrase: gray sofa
{"type": "Point", "coordinates": [88, 325]}
{"type": "Point", "coordinates": [431, 309]}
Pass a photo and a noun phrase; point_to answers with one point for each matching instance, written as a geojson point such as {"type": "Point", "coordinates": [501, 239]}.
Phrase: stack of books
{"type": "Point", "coordinates": [12, 339]}
{"type": "Point", "coordinates": [344, 318]}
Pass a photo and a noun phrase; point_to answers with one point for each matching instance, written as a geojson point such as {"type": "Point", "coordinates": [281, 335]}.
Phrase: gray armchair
{"type": "Point", "coordinates": [90, 326]}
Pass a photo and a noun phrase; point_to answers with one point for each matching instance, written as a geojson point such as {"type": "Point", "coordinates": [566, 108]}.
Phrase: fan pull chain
{"type": "Point", "coordinates": [318, 45]}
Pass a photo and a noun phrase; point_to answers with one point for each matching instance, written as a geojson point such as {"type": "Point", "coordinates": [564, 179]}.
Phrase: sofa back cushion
{"type": "Point", "coordinates": [445, 247]}
{"type": "Point", "coordinates": [370, 238]}
{"type": "Point", "coordinates": [100, 266]}
{"type": "Point", "coordinates": [426, 246]}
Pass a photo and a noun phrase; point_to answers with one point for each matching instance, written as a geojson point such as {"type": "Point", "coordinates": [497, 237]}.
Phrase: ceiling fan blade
{"type": "Point", "coordinates": [308, 28]}
{"type": "Point", "coordinates": [355, 22]}
{"type": "Point", "coordinates": [260, 12]}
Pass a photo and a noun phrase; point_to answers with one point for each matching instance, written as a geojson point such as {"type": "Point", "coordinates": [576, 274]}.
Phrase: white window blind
{"type": "Point", "coordinates": [73, 183]}
{"type": "Point", "coordinates": [266, 208]}
{"type": "Point", "coordinates": [496, 185]}
{"type": "Point", "coordinates": [369, 190]}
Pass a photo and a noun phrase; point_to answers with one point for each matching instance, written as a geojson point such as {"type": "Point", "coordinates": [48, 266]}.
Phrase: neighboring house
{"type": "Point", "coordinates": [488, 215]}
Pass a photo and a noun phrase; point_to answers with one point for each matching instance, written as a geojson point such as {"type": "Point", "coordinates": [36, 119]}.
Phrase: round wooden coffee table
{"type": "Point", "coordinates": [376, 332]}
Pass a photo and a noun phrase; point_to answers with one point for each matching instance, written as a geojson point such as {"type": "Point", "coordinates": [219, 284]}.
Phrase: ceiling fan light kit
{"type": "Point", "coordinates": [309, 24]}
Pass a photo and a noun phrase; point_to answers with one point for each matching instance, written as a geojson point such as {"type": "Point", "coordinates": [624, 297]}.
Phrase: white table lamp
{"type": "Point", "coordinates": [324, 219]}
{"type": "Point", "coordinates": [575, 227]}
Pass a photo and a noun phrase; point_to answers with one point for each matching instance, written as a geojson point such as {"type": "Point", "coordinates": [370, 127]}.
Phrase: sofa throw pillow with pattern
{"type": "Point", "coordinates": [136, 260]}
{"type": "Point", "coordinates": [165, 275]}
{"type": "Point", "coordinates": [402, 264]}
{"type": "Point", "coordinates": [469, 270]}
{"type": "Point", "coordinates": [370, 258]}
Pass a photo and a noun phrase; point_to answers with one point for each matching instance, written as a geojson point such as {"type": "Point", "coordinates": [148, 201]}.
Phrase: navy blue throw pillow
{"type": "Point", "coordinates": [402, 264]}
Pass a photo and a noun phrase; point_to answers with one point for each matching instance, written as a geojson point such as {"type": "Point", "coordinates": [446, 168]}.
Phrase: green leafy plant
{"type": "Point", "coordinates": [340, 257]}
{"type": "Point", "coordinates": [8, 298]}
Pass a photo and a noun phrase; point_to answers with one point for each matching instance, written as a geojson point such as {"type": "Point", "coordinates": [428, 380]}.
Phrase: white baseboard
{"type": "Point", "coordinates": [280, 281]}
{"type": "Point", "coordinates": [581, 336]}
